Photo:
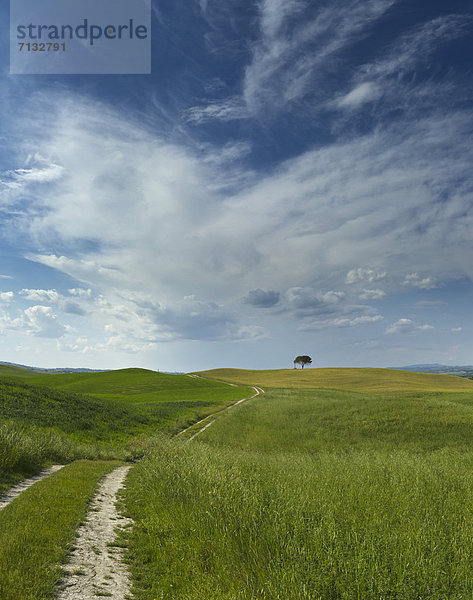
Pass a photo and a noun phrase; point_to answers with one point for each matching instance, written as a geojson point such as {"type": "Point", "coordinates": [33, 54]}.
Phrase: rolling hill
{"type": "Point", "coordinates": [356, 379]}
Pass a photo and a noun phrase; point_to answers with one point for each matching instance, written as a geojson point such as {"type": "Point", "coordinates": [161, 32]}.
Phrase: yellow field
{"type": "Point", "coordinates": [361, 380]}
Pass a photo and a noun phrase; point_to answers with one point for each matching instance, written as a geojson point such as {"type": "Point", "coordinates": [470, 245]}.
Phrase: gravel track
{"type": "Point", "coordinates": [96, 566]}
{"type": "Point", "coordinates": [14, 492]}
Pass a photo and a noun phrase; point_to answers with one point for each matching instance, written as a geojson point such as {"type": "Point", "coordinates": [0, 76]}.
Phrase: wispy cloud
{"type": "Point", "coordinates": [418, 44]}
{"type": "Point", "coordinates": [297, 44]}
{"type": "Point", "coordinates": [132, 212]}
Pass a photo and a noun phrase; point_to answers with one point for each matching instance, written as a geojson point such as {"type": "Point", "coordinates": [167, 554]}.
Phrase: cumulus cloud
{"type": "Point", "coordinates": [262, 299]}
{"type": "Point", "coordinates": [309, 301]}
{"type": "Point", "coordinates": [81, 292]}
{"type": "Point", "coordinates": [340, 322]}
{"type": "Point", "coordinates": [424, 283]}
{"type": "Point", "coordinates": [7, 296]}
{"type": "Point", "coordinates": [39, 321]}
{"type": "Point", "coordinates": [364, 274]}
{"type": "Point", "coordinates": [407, 326]}
{"type": "Point", "coordinates": [51, 296]}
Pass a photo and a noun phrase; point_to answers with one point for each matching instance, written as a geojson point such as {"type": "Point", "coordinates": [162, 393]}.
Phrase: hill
{"type": "Point", "coordinates": [458, 370]}
{"type": "Point", "coordinates": [138, 386]}
{"type": "Point", "coordinates": [40, 370]}
{"type": "Point", "coordinates": [153, 400]}
{"type": "Point", "coordinates": [356, 379]}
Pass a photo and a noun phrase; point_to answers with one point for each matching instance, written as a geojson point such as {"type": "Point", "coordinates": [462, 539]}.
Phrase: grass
{"type": "Point", "coordinates": [82, 415]}
{"type": "Point", "coordinates": [37, 530]}
{"type": "Point", "coordinates": [337, 484]}
{"type": "Point", "coordinates": [138, 386]}
{"type": "Point", "coordinates": [215, 524]}
{"type": "Point", "coordinates": [312, 421]}
{"type": "Point", "coordinates": [361, 380]}
{"type": "Point", "coordinates": [24, 451]}
{"type": "Point", "coordinates": [132, 399]}
{"type": "Point", "coordinates": [311, 495]}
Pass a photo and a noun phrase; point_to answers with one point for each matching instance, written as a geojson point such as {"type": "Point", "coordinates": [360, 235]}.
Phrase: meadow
{"type": "Point", "coordinates": [313, 494]}
{"type": "Point", "coordinates": [336, 484]}
{"type": "Point", "coordinates": [59, 418]}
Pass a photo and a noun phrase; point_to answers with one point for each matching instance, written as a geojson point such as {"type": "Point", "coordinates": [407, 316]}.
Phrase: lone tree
{"type": "Point", "coordinates": [302, 360]}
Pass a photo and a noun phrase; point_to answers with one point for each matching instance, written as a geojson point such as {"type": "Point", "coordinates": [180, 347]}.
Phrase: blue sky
{"type": "Point", "coordinates": [294, 177]}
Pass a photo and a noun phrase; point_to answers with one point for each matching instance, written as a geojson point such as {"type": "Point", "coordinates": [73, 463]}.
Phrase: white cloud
{"type": "Point", "coordinates": [230, 110]}
{"type": "Point", "coordinates": [51, 296]}
{"type": "Point", "coordinates": [340, 322]}
{"type": "Point", "coordinates": [7, 296]}
{"type": "Point", "coordinates": [364, 274]}
{"type": "Point", "coordinates": [131, 212]}
{"type": "Point", "coordinates": [456, 330]}
{"type": "Point", "coordinates": [39, 321]}
{"type": "Point", "coordinates": [81, 292]}
{"type": "Point", "coordinates": [424, 283]}
{"type": "Point", "coordinates": [43, 175]}
{"type": "Point", "coordinates": [418, 44]}
{"type": "Point", "coordinates": [361, 94]}
{"type": "Point", "coordinates": [285, 65]}
{"type": "Point", "coordinates": [407, 326]}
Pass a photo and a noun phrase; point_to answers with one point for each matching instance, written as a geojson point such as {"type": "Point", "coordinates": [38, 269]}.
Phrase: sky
{"type": "Point", "coordinates": [293, 177]}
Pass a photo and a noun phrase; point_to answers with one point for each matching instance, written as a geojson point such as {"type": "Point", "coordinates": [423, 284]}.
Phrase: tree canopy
{"type": "Point", "coordinates": [302, 360]}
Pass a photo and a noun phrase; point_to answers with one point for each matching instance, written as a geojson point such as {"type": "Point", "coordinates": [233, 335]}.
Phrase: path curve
{"type": "Point", "coordinates": [15, 491]}
{"type": "Point", "coordinates": [257, 389]}
{"type": "Point", "coordinates": [96, 566]}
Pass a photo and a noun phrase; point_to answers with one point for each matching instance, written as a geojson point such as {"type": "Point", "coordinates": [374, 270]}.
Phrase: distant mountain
{"type": "Point", "coordinates": [458, 370]}
{"type": "Point", "coordinates": [65, 370]}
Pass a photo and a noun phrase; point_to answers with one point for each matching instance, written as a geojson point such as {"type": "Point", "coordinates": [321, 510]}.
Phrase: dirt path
{"type": "Point", "coordinates": [258, 391]}
{"type": "Point", "coordinates": [14, 492]}
{"type": "Point", "coordinates": [95, 567]}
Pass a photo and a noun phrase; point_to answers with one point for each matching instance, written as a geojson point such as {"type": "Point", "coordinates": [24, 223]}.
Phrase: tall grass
{"type": "Point", "coordinates": [24, 451]}
{"type": "Point", "coordinates": [215, 524]}
{"type": "Point", "coordinates": [341, 421]}
{"type": "Point", "coordinates": [311, 495]}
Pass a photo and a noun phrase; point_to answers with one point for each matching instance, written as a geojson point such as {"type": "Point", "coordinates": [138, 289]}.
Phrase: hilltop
{"type": "Point", "coordinates": [356, 379]}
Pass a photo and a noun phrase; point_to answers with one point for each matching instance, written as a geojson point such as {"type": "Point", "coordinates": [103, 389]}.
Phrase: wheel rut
{"type": "Point", "coordinates": [15, 491]}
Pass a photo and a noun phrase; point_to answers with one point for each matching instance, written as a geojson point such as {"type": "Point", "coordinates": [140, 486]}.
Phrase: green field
{"type": "Point", "coordinates": [361, 380]}
{"type": "Point", "coordinates": [336, 484]}
{"type": "Point", "coordinates": [62, 417]}
{"type": "Point", "coordinates": [314, 494]}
